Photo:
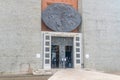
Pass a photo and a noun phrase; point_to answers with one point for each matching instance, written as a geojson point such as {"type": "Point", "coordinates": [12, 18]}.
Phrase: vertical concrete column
{"type": "Point", "coordinates": [81, 31]}
{"type": "Point", "coordinates": [62, 55]}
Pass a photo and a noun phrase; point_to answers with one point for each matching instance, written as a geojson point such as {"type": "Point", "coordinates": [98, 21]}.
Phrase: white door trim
{"type": "Point", "coordinates": [77, 47]}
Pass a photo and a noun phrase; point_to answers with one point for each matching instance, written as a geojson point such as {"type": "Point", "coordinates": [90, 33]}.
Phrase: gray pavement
{"type": "Point", "coordinates": [24, 77]}
{"type": "Point", "coordinates": [74, 74]}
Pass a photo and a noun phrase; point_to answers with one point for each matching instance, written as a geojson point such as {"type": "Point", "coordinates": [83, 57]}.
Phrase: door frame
{"type": "Point", "coordinates": [77, 47]}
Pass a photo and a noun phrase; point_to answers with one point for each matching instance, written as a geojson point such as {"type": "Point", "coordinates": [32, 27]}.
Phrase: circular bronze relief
{"type": "Point", "coordinates": [61, 17]}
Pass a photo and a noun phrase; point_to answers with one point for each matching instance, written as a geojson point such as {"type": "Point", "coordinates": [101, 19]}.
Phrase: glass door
{"type": "Point", "coordinates": [54, 56]}
{"type": "Point", "coordinates": [68, 55]}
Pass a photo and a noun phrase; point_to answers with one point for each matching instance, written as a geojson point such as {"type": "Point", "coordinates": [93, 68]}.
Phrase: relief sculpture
{"type": "Point", "coordinates": [61, 17]}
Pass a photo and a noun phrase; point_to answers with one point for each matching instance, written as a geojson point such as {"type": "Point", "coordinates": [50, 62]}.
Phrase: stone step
{"type": "Point", "coordinates": [44, 71]}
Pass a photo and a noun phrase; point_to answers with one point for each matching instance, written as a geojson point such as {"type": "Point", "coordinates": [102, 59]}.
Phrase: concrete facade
{"type": "Point", "coordinates": [20, 35]}
{"type": "Point", "coordinates": [101, 32]}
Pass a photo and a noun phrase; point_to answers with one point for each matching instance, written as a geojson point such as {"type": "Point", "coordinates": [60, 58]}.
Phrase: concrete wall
{"type": "Point", "coordinates": [19, 35]}
{"type": "Point", "coordinates": [101, 33]}
{"type": "Point", "coordinates": [20, 41]}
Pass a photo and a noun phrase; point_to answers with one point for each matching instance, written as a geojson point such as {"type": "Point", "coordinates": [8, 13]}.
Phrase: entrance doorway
{"type": "Point", "coordinates": [62, 52]}
{"type": "Point", "coordinates": [66, 45]}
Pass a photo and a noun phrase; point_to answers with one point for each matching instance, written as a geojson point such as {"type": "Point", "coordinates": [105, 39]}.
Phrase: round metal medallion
{"type": "Point", "coordinates": [61, 17]}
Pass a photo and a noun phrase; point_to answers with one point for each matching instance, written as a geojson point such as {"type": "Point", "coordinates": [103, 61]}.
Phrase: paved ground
{"type": "Point", "coordinates": [68, 74]}
{"type": "Point", "coordinates": [82, 75]}
{"type": "Point", "coordinates": [24, 77]}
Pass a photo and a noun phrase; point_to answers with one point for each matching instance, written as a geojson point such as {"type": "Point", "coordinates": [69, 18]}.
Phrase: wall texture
{"type": "Point", "coordinates": [101, 32]}
{"type": "Point", "coordinates": [19, 35]}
